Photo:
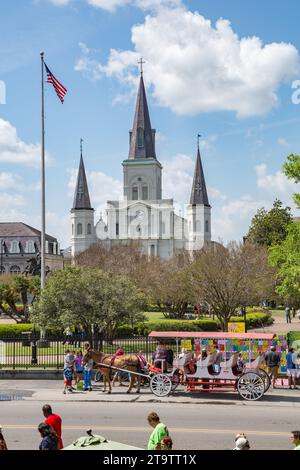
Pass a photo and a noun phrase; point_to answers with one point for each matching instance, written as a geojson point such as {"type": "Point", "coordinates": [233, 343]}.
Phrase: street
{"type": "Point", "coordinates": [192, 426]}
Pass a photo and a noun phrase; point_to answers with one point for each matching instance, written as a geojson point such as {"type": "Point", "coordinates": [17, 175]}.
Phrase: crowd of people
{"type": "Point", "coordinates": [50, 431]}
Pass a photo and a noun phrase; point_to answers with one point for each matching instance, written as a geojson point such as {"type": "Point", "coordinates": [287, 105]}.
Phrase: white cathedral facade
{"type": "Point", "coordinates": [141, 213]}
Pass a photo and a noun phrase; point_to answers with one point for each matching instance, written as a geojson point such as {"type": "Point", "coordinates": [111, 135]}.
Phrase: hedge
{"type": "Point", "coordinates": [293, 336]}
{"type": "Point", "coordinates": [9, 331]}
{"type": "Point", "coordinates": [254, 320]}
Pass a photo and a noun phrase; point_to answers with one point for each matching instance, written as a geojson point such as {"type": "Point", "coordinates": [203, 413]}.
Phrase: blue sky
{"type": "Point", "coordinates": [224, 69]}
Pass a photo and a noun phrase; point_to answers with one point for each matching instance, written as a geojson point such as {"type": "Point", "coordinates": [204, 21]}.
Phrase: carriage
{"type": "Point", "coordinates": [197, 374]}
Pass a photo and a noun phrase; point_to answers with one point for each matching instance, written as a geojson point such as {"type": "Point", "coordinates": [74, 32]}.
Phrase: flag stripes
{"type": "Point", "coordinates": [61, 91]}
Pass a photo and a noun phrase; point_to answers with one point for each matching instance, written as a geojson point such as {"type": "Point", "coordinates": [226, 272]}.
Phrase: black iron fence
{"type": "Point", "coordinates": [30, 351]}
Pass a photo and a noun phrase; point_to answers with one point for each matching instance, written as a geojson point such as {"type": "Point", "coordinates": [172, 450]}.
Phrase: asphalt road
{"type": "Point", "coordinates": [192, 426]}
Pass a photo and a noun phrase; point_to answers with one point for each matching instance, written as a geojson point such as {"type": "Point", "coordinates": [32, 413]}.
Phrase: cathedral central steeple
{"type": "Point", "coordinates": [142, 136]}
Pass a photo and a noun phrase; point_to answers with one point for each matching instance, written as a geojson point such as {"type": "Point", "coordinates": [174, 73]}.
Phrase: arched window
{"type": "Point", "coordinates": [15, 247]}
{"type": "Point", "coordinates": [79, 229]}
{"type": "Point", "coordinates": [89, 229]}
{"type": "Point", "coordinates": [15, 270]}
{"type": "Point", "coordinates": [135, 193]}
{"type": "Point", "coordinates": [206, 226]}
{"type": "Point", "coordinates": [198, 226]}
{"type": "Point", "coordinates": [140, 137]}
{"type": "Point", "coordinates": [72, 229]}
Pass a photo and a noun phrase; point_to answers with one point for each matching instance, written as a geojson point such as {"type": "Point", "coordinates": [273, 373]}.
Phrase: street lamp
{"type": "Point", "coordinates": [1, 258]}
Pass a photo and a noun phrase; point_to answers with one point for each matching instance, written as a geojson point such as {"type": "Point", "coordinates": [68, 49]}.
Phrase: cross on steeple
{"type": "Point", "coordinates": [81, 146]}
{"type": "Point", "coordinates": [198, 186]}
{"type": "Point", "coordinates": [141, 62]}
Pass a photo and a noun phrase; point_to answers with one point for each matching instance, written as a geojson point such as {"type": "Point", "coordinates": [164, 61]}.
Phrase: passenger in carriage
{"type": "Point", "coordinates": [218, 360]}
{"type": "Point", "coordinates": [203, 354]}
{"type": "Point", "coordinates": [240, 362]}
{"type": "Point", "coordinates": [159, 357]}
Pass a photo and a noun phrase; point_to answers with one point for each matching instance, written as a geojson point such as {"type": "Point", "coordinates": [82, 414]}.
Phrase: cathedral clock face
{"type": "Point", "coordinates": [140, 214]}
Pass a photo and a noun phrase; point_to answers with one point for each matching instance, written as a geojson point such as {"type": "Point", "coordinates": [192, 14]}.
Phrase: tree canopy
{"type": "Point", "coordinates": [270, 227]}
{"type": "Point", "coordinates": [229, 277]}
{"type": "Point", "coordinates": [286, 258]}
{"type": "Point", "coordinates": [15, 290]}
{"type": "Point", "coordinates": [86, 297]}
{"type": "Point", "coordinates": [292, 170]}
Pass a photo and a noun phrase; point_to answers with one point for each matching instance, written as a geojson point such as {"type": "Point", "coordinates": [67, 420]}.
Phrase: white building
{"type": "Point", "coordinates": [142, 214]}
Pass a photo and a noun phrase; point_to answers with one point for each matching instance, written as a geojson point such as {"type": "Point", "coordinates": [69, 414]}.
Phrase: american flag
{"type": "Point", "coordinates": [58, 87]}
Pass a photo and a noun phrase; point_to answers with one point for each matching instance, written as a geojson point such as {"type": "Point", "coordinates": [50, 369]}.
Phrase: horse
{"type": "Point", "coordinates": [130, 362]}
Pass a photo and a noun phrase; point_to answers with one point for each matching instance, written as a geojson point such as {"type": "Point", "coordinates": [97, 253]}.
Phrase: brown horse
{"type": "Point", "coordinates": [129, 362]}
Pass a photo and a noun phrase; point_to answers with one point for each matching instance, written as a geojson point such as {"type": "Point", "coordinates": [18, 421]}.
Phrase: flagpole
{"type": "Point", "coordinates": [43, 216]}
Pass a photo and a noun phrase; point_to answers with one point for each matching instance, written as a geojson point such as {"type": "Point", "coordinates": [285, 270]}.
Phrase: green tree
{"type": "Point", "coordinates": [15, 290]}
{"type": "Point", "coordinates": [270, 227]}
{"type": "Point", "coordinates": [286, 258]}
{"type": "Point", "coordinates": [86, 297]}
{"type": "Point", "coordinates": [292, 170]}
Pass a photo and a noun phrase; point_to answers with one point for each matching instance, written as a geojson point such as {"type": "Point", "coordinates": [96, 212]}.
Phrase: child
{"type": "Point", "coordinates": [78, 366]}
{"type": "Point", "coordinates": [87, 375]}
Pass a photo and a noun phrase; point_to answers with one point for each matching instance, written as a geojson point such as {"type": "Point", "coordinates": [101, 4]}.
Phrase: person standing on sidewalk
{"type": "Point", "coordinates": [54, 421]}
{"type": "Point", "coordinates": [291, 368]}
{"type": "Point", "coordinates": [87, 375]}
{"type": "Point", "coordinates": [3, 445]}
{"type": "Point", "coordinates": [288, 314]}
{"type": "Point", "coordinates": [272, 360]}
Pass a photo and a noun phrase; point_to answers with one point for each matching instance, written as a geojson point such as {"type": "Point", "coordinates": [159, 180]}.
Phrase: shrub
{"type": "Point", "coordinates": [15, 331]}
{"type": "Point", "coordinates": [176, 325]}
{"type": "Point", "coordinates": [293, 336]}
{"type": "Point", "coordinates": [255, 320]}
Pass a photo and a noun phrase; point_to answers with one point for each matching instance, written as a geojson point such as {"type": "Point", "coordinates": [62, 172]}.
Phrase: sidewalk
{"type": "Point", "coordinates": [51, 391]}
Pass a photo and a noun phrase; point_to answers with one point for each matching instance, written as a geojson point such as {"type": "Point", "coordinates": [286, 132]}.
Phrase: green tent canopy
{"type": "Point", "coordinates": [95, 442]}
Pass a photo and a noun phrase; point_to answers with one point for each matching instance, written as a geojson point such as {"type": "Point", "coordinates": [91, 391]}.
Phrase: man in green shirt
{"type": "Point", "coordinates": [295, 438]}
{"type": "Point", "coordinates": [160, 430]}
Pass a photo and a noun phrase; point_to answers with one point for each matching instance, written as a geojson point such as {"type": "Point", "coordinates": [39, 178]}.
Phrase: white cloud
{"type": "Point", "coordinates": [102, 188]}
{"type": "Point", "coordinates": [12, 181]}
{"type": "Point", "coordinates": [276, 183]}
{"type": "Point", "coordinates": [112, 5]}
{"type": "Point", "coordinates": [231, 221]}
{"type": "Point", "coordinates": [14, 150]}
{"type": "Point", "coordinates": [8, 200]}
{"type": "Point", "coordinates": [208, 66]}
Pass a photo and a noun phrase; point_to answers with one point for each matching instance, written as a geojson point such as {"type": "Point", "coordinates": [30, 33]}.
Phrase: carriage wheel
{"type": "Point", "coordinates": [161, 385]}
{"type": "Point", "coordinates": [251, 386]}
{"type": "Point", "coordinates": [266, 378]}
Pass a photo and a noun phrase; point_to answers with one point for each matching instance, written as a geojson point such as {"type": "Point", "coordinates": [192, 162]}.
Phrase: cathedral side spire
{"type": "Point", "coordinates": [199, 192]}
{"type": "Point", "coordinates": [81, 197]}
{"type": "Point", "coordinates": [142, 136]}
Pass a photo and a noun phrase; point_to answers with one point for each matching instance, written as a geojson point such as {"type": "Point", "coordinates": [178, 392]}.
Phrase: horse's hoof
{"type": "Point", "coordinates": [128, 391]}
{"type": "Point", "coordinates": [137, 391]}
{"type": "Point", "coordinates": [109, 392]}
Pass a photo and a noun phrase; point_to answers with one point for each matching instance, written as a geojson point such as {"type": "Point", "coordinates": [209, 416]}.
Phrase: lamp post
{"type": "Point", "coordinates": [1, 258]}
{"type": "Point", "coordinates": [33, 347]}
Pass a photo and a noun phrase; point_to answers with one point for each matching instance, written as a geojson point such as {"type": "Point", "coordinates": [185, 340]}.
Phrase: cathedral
{"type": "Point", "coordinates": [141, 213]}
